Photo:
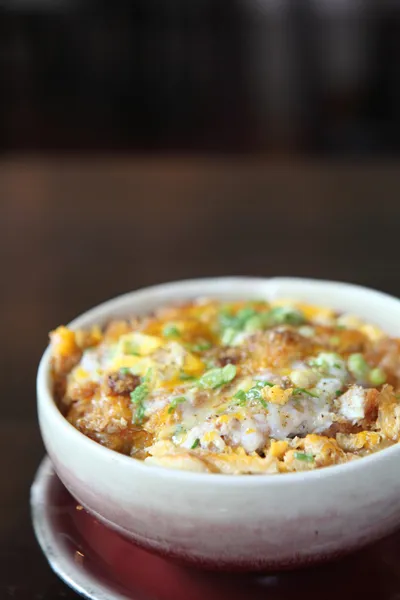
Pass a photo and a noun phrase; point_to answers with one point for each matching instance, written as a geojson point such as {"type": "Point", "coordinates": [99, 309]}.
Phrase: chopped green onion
{"type": "Point", "coordinates": [262, 384]}
{"type": "Point", "coordinates": [250, 320]}
{"type": "Point", "coordinates": [304, 456]}
{"type": "Point", "coordinates": [138, 396]}
{"type": "Point", "coordinates": [243, 316]}
{"type": "Point", "coordinates": [338, 392]}
{"type": "Point", "coordinates": [263, 403]}
{"type": "Point", "coordinates": [170, 330]}
{"type": "Point", "coordinates": [148, 376]}
{"type": "Point", "coordinates": [334, 340]}
{"type": "Point", "coordinates": [228, 373]}
{"type": "Point", "coordinates": [325, 361]}
{"type": "Point", "coordinates": [185, 377]}
{"type": "Point", "coordinates": [139, 393]}
{"type": "Point", "coordinates": [358, 366]}
{"type": "Point", "coordinates": [175, 402]}
{"type": "Point", "coordinates": [297, 391]}
{"type": "Point", "coordinates": [286, 315]}
{"type": "Point", "coordinates": [217, 377]}
{"type": "Point", "coordinates": [254, 393]}
{"type": "Point", "coordinates": [195, 444]}
{"type": "Point", "coordinates": [201, 346]}
{"type": "Point", "coordinates": [226, 318]}
{"type": "Point", "coordinates": [241, 396]}
{"type": "Point", "coordinates": [233, 323]}
{"type": "Point", "coordinates": [377, 376]}
{"type": "Point", "coordinates": [254, 324]}
{"type": "Point", "coordinates": [228, 336]}
{"type": "Point", "coordinates": [124, 370]}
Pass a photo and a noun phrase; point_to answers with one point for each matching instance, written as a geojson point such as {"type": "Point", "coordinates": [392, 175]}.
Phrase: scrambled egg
{"type": "Point", "coordinates": [239, 388]}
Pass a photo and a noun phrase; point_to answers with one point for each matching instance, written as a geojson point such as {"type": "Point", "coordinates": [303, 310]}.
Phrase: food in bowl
{"type": "Point", "coordinates": [245, 387]}
{"type": "Point", "coordinates": [218, 521]}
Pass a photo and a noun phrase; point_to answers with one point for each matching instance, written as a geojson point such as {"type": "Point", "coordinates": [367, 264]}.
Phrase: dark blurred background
{"type": "Point", "coordinates": [151, 140]}
{"type": "Point", "coordinates": [306, 76]}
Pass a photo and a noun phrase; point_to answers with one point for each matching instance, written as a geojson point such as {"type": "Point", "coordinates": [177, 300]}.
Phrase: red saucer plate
{"type": "Point", "coordinates": [99, 564]}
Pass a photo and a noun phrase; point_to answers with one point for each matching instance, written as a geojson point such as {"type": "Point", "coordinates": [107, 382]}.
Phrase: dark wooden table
{"type": "Point", "coordinates": [76, 232]}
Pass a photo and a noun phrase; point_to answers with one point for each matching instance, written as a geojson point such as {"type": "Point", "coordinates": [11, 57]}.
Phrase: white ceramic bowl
{"type": "Point", "coordinates": [223, 521]}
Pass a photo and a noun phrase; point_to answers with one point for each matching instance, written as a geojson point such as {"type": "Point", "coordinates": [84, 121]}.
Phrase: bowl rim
{"type": "Point", "coordinates": [45, 396]}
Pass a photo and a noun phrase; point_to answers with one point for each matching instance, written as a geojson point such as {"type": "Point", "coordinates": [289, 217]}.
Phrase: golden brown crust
{"type": "Point", "coordinates": [143, 394]}
{"type": "Point", "coordinates": [388, 421]}
{"type": "Point", "coordinates": [385, 354]}
{"type": "Point", "coordinates": [121, 383]}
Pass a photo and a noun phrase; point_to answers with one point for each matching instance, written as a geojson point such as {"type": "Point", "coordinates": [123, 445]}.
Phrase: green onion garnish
{"type": "Point", "coordinates": [254, 393]}
{"type": "Point", "coordinates": [377, 376]}
{"type": "Point", "coordinates": [138, 396]}
{"type": "Point", "coordinates": [263, 403]}
{"type": "Point", "coordinates": [201, 346]}
{"type": "Point", "coordinates": [304, 456]}
{"type": "Point", "coordinates": [170, 330]}
{"type": "Point", "coordinates": [217, 377]}
{"type": "Point", "coordinates": [185, 377]}
{"type": "Point", "coordinates": [358, 366]}
{"type": "Point", "coordinates": [298, 391]}
{"type": "Point", "coordinates": [286, 315]}
{"type": "Point", "coordinates": [241, 396]}
{"type": "Point", "coordinates": [175, 402]}
{"type": "Point", "coordinates": [228, 336]}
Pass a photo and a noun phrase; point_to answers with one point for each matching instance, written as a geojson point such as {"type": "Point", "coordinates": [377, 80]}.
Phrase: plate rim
{"type": "Point", "coordinates": [62, 564]}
